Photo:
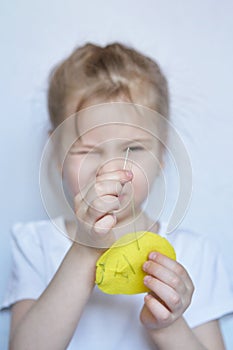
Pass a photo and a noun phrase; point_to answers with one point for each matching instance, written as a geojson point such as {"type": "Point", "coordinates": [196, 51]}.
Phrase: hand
{"type": "Point", "coordinates": [171, 291]}
{"type": "Point", "coordinates": [95, 206]}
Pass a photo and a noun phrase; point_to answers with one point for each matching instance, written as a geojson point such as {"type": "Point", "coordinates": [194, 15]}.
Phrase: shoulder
{"type": "Point", "coordinates": [32, 227]}
{"type": "Point", "coordinates": [203, 260]}
{"type": "Point", "coordinates": [186, 240]}
{"type": "Point", "coordinates": [197, 252]}
{"type": "Point", "coordinates": [27, 241]}
{"type": "Point", "coordinates": [27, 278]}
{"type": "Point", "coordinates": [34, 232]}
{"type": "Point", "coordinates": [37, 240]}
{"type": "Point", "coordinates": [187, 234]}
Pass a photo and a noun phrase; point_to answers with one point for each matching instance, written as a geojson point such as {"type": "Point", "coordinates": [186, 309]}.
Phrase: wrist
{"type": "Point", "coordinates": [160, 332]}
{"type": "Point", "coordinates": [164, 335]}
{"type": "Point", "coordinates": [88, 254]}
{"type": "Point", "coordinates": [179, 330]}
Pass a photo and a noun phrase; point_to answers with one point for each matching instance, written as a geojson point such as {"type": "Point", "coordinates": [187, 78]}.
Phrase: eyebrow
{"type": "Point", "coordinates": [140, 140]}
{"type": "Point", "coordinates": [76, 144]}
{"type": "Point", "coordinates": [145, 141]}
{"type": "Point", "coordinates": [125, 142]}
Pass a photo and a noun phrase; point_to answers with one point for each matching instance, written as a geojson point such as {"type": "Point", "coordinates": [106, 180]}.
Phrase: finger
{"type": "Point", "coordinates": [102, 206]}
{"type": "Point", "coordinates": [161, 314]}
{"type": "Point", "coordinates": [147, 318]}
{"type": "Point", "coordinates": [168, 295]}
{"type": "Point", "coordinates": [90, 211]}
{"type": "Point", "coordinates": [105, 224]}
{"type": "Point", "coordinates": [173, 266]}
{"type": "Point", "coordinates": [107, 183]}
{"type": "Point", "coordinates": [111, 187]}
{"type": "Point", "coordinates": [98, 189]}
{"type": "Point", "coordinates": [120, 175]}
{"type": "Point", "coordinates": [164, 275]}
{"type": "Point", "coordinates": [103, 188]}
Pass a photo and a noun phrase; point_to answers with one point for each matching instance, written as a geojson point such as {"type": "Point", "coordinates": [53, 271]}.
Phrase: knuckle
{"type": "Point", "coordinates": [190, 295]}
{"type": "Point", "coordinates": [76, 202]}
{"type": "Point", "coordinates": [186, 304]}
{"type": "Point", "coordinates": [175, 281]}
{"type": "Point", "coordinates": [76, 210]}
{"type": "Point", "coordinates": [192, 288]}
{"type": "Point", "coordinates": [165, 317]}
{"type": "Point", "coordinates": [175, 299]}
{"type": "Point", "coordinates": [98, 188]}
{"type": "Point", "coordinates": [118, 187]}
{"type": "Point", "coordinates": [179, 270]}
{"type": "Point", "coordinates": [97, 205]}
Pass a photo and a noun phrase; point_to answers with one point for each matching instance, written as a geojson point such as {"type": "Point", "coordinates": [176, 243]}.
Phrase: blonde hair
{"type": "Point", "coordinates": [104, 74]}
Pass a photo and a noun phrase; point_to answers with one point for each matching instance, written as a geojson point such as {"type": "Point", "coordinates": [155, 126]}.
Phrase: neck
{"type": "Point", "coordinates": [140, 223]}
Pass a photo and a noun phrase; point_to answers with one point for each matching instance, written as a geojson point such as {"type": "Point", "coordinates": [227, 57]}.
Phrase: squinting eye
{"type": "Point", "coordinates": [82, 152]}
{"type": "Point", "coordinates": [136, 148]}
{"type": "Point", "coordinates": [78, 152]}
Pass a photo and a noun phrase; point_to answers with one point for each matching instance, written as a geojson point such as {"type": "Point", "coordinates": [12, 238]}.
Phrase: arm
{"type": "Point", "coordinates": [162, 313]}
{"type": "Point", "coordinates": [210, 335]}
{"type": "Point", "coordinates": [180, 337]}
{"type": "Point", "coordinates": [50, 322]}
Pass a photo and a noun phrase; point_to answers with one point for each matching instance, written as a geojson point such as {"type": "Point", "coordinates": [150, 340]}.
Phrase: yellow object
{"type": "Point", "coordinates": [119, 269]}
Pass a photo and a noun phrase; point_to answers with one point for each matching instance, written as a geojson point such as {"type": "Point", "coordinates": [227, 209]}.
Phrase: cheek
{"type": "Point", "coordinates": [77, 173]}
{"type": "Point", "coordinates": [143, 180]}
{"type": "Point", "coordinates": [70, 177]}
{"type": "Point", "coordinates": [140, 186]}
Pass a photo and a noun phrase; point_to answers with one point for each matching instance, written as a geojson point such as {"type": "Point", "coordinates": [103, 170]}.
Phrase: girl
{"type": "Point", "coordinates": [52, 293]}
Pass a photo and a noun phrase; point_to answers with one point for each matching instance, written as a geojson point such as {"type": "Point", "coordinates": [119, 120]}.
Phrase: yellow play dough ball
{"type": "Point", "coordinates": [119, 269]}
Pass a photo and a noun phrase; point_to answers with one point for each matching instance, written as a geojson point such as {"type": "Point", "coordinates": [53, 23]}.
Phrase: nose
{"type": "Point", "coordinates": [110, 165]}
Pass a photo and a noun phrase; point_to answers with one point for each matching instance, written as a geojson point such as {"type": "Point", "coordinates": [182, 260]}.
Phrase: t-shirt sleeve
{"type": "Point", "coordinates": [26, 279]}
{"type": "Point", "coordinates": [213, 294]}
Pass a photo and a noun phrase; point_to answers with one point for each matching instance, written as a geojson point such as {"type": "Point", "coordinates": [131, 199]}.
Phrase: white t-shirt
{"type": "Point", "coordinates": [112, 321]}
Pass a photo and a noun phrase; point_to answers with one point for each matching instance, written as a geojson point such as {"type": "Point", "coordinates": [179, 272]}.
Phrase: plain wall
{"type": "Point", "coordinates": [192, 40]}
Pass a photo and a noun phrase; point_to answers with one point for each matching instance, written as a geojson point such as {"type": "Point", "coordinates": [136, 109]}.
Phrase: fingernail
{"type": "Point", "coordinates": [147, 279]}
{"type": "Point", "coordinates": [146, 265]}
{"type": "Point", "coordinates": [152, 256]}
{"type": "Point", "coordinates": [148, 297]}
{"type": "Point", "coordinates": [129, 173]}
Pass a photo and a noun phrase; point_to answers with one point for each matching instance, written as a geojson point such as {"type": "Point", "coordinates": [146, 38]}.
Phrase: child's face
{"type": "Point", "coordinates": [105, 134]}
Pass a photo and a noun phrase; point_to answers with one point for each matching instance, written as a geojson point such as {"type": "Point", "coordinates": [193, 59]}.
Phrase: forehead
{"type": "Point", "coordinates": [109, 121]}
{"type": "Point", "coordinates": [114, 120]}
{"type": "Point", "coordinates": [114, 131]}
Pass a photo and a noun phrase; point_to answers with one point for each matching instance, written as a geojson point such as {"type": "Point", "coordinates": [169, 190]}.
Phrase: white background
{"type": "Point", "coordinates": [192, 40]}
